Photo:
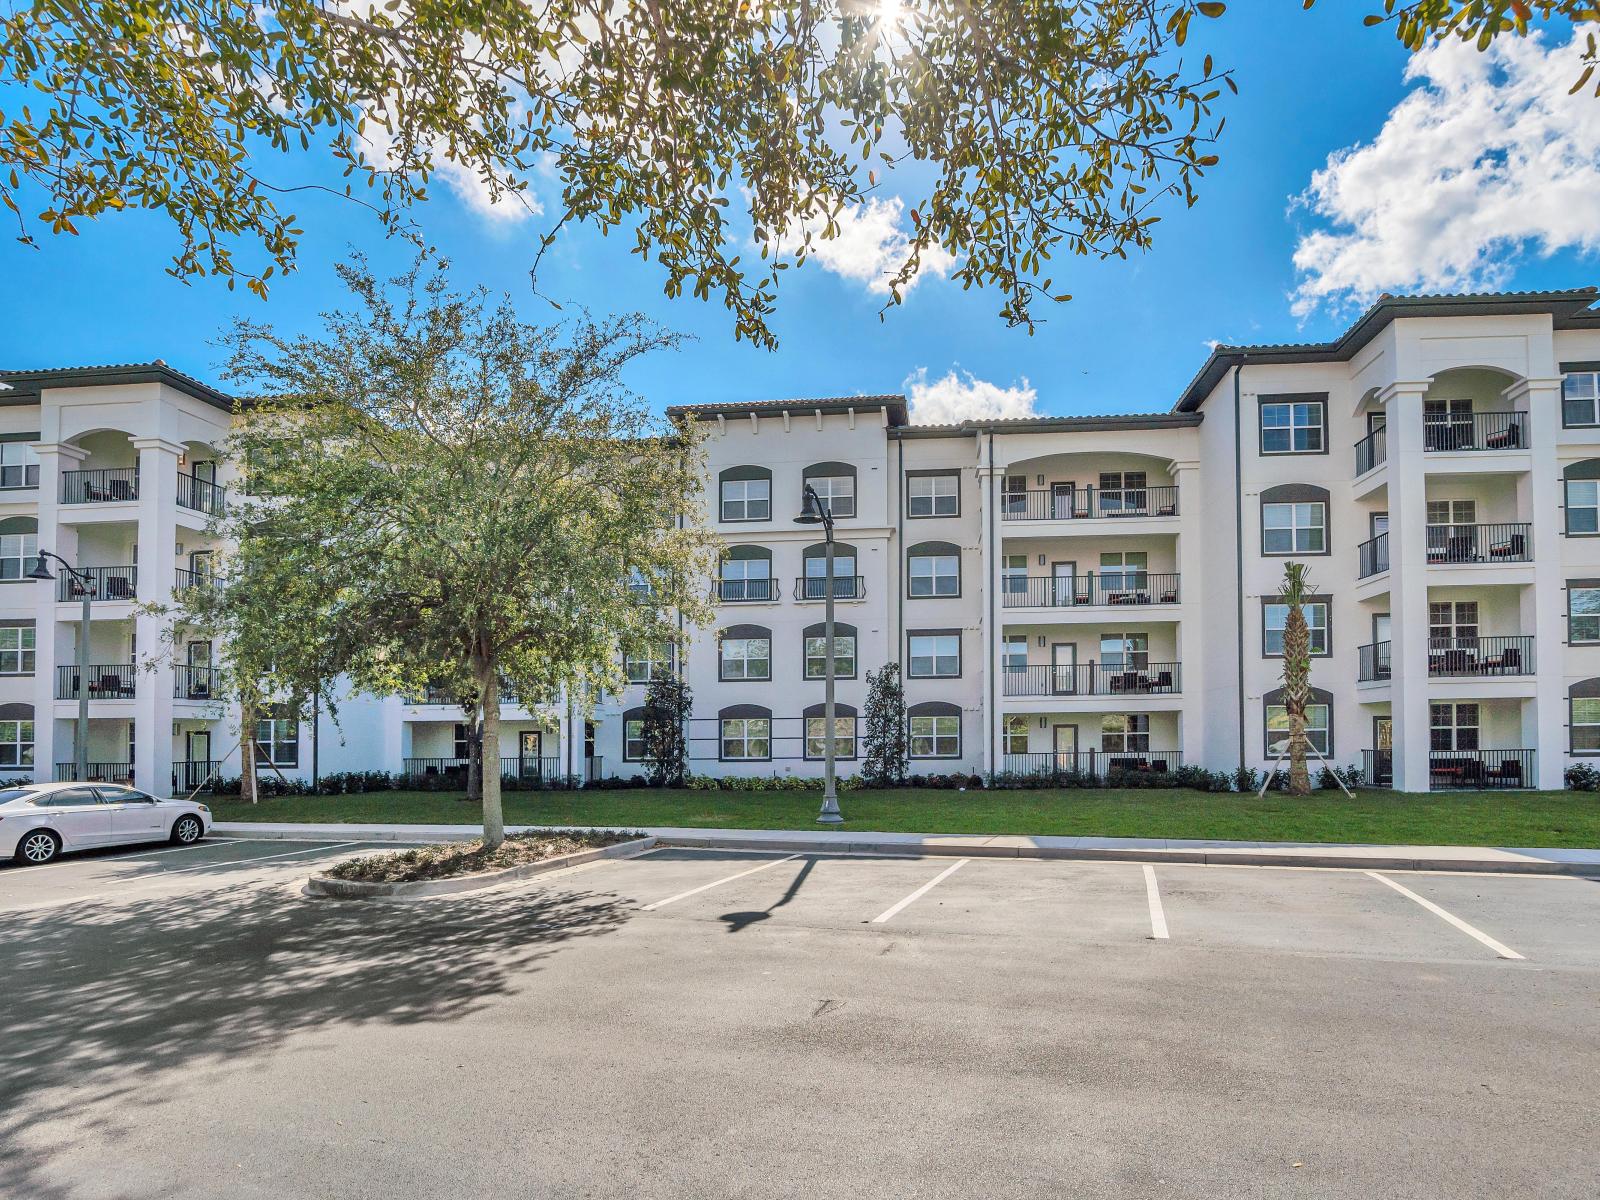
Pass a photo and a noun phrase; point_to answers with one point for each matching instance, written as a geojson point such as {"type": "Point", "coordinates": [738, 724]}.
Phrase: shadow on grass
{"type": "Point", "coordinates": [99, 996]}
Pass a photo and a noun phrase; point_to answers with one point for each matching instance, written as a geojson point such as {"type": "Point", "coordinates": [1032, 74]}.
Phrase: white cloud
{"type": "Point", "coordinates": [469, 187]}
{"type": "Point", "coordinates": [872, 245]}
{"type": "Point", "coordinates": [1487, 157]}
{"type": "Point", "coordinates": [961, 396]}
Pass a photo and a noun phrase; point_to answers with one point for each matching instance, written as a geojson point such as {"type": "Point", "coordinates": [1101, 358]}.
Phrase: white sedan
{"type": "Point", "coordinates": [41, 820]}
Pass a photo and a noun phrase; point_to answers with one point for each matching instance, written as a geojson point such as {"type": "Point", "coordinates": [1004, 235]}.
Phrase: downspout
{"type": "Point", "coordinates": [899, 564]}
{"type": "Point", "coordinates": [1238, 540]}
{"type": "Point", "coordinates": [988, 587]}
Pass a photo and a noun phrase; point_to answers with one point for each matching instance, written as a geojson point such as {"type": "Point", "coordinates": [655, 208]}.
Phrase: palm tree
{"type": "Point", "coordinates": [1296, 673]}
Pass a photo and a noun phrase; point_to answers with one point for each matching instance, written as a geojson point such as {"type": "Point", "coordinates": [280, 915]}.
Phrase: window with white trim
{"type": "Point", "coordinates": [1318, 723]}
{"type": "Point", "coordinates": [1016, 734]}
{"type": "Point", "coordinates": [1125, 733]}
{"type": "Point", "coordinates": [746, 738]}
{"type": "Point", "coordinates": [844, 737]}
{"type": "Point", "coordinates": [844, 656]}
{"type": "Point", "coordinates": [1453, 727]}
{"type": "Point", "coordinates": [1583, 506]}
{"type": "Point", "coordinates": [747, 499]}
{"type": "Point", "coordinates": [633, 749]}
{"type": "Point", "coordinates": [1294, 528]}
{"type": "Point", "coordinates": [936, 736]}
{"type": "Point", "coordinates": [1583, 614]}
{"type": "Point", "coordinates": [838, 492]}
{"type": "Point", "coordinates": [935, 574]}
{"type": "Point", "coordinates": [17, 643]}
{"type": "Point", "coordinates": [1580, 398]}
{"type": "Point", "coordinates": [932, 496]}
{"type": "Point", "coordinates": [655, 662]}
{"type": "Point", "coordinates": [18, 554]}
{"type": "Point", "coordinates": [1292, 427]}
{"type": "Point", "coordinates": [1585, 722]}
{"type": "Point", "coordinates": [16, 744]}
{"type": "Point", "coordinates": [278, 741]}
{"type": "Point", "coordinates": [746, 579]}
{"type": "Point", "coordinates": [1014, 652]}
{"type": "Point", "coordinates": [1014, 574]}
{"type": "Point", "coordinates": [1276, 616]}
{"type": "Point", "coordinates": [19, 465]}
{"type": "Point", "coordinates": [1124, 570]}
{"type": "Point", "coordinates": [746, 658]}
{"type": "Point", "coordinates": [935, 655]}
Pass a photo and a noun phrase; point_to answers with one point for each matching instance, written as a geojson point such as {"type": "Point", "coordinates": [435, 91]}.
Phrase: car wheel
{"type": "Point", "coordinates": [37, 847]}
{"type": "Point", "coordinates": [186, 830]}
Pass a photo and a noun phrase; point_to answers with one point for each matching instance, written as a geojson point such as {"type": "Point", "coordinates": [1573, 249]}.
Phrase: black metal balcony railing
{"type": "Point", "coordinates": [115, 681]}
{"type": "Point", "coordinates": [200, 495]}
{"type": "Point", "coordinates": [189, 775]}
{"type": "Point", "coordinates": [1091, 764]}
{"type": "Point", "coordinates": [1475, 431]}
{"type": "Point", "coordinates": [739, 591]}
{"type": "Point", "coordinates": [1374, 555]}
{"type": "Point", "coordinates": [185, 579]}
{"type": "Point", "coordinates": [1480, 769]}
{"type": "Point", "coordinates": [1374, 662]}
{"type": "Point", "coordinates": [1115, 588]}
{"type": "Point", "coordinates": [1372, 450]}
{"type": "Point", "coordinates": [194, 683]}
{"type": "Point", "coordinates": [845, 587]}
{"type": "Point", "coordinates": [99, 772]}
{"type": "Point", "coordinates": [1085, 502]}
{"type": "Point", "coordinates": [532, 770]}
{"type": "Point", "coordinates": [1093, 679]}
{"type": "Point", "coordinates": [543, 771]}
{"type": "Point", "coordinates": [439, 694]}
{"type": "Point", "coordinates": [1480, 656]}
{"type": "Point", "coordinates": [1501, 542]}
{"type": "Point", "coordinates": [1377, 767]}
{"type": "Point", "coordinates": [103, 583]}
{"type": "Point", "coordinates": [100, 486]}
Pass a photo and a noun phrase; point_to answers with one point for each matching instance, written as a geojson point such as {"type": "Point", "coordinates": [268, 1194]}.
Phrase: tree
{"type": "Point", "coordinates": [1295, 588]}
{"type": "Point", "coordinates": [667, 705]}
{"type": "Point", "coordinates": [884, 743]}
{"type": "Point", "coordinates": [441, 492]}
{"type": "Point", "coordinates": [1013, 131]}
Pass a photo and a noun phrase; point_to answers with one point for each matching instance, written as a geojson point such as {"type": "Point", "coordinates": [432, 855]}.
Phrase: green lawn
{"type": "Point", "coordinates": [1450, 818]}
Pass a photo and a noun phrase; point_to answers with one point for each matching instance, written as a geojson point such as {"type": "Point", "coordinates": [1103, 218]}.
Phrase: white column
{"type": "Point", "coordinates": [1408, 583]}
{"type": "Point", "coordinates": [991, 631]}
{"type": "Point", "coordinates": [1191, 628]}
{"type": "Point", "coordinates": [158, 562]}
{"type": "Point", "coordinates": [1545, 611]}
{"type": "Point", "coordinates": [54, 458]}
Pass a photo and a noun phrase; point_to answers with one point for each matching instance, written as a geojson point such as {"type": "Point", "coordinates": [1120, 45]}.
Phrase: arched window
{"type": "Point", "coordinates": [844, 731]}
{"type": "Point", "coordinates": [633, 735]}
{"type": "Point", "coordinates": [1294, 520]}
{"type": "Point", "coordinates": [1319, 722]}
{"type": "Point", "coordinates": [746, 575]}
{"type": "Point", "coordinates": [934, 729]}
{"type": "Point", "coordinates": [745, 494]}
{"type": "Point", "coordinates": [1582, 483]}
{"type": "Point", "coordinates": [846, 577]}
{"type": "Point", "coordinates": [744, 654]}
{"type": "Point", "coordinates": [746, 733]}
{"type": "Point", "coordinates": [816, 649]}
{"type": "Point", "coordinates": [933, 569]}
{"type": "Point", "coordinates": [19, 547]}
{"type": "Point", "coordinates": [16, 737]}
{"type": "Point", "coordinates": [1583, 716]}
{"type": "Point", "coordinates": [835, 484]}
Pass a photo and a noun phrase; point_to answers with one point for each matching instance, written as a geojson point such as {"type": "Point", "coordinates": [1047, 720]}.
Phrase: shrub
{"type": "Point", "coordinates": [1581, 777]}
{"type": "Point", "coordinates": [1246, 779]}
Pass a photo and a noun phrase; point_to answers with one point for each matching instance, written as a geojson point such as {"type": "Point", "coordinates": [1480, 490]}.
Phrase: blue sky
{"type": "Point", "coordinates": [1521, 210]}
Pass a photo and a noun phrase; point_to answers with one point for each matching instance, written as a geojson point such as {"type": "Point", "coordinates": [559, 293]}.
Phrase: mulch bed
{"type": "Point", "coordinates": [449, 859]}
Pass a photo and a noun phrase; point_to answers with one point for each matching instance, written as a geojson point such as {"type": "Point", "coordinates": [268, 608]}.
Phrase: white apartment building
{"type": "Point", "coordinates": [1083, 594]}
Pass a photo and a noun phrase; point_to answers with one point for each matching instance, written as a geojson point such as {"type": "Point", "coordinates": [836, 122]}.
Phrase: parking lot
{"type": "Point", "coordinates": [695, 1023]}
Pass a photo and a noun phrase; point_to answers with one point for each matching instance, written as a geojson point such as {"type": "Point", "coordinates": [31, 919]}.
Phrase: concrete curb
{"type": "Point", "coordinates": [349, 889]}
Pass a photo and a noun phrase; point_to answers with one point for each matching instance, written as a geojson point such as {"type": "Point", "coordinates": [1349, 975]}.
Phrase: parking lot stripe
{"type": "Point", "coordinates": [922, 891]}
{"type": "Point", "coordinates": [1158, 918]}
{"type": "Point", "coordinates": [706, 887]}
{"type": "Point", "coordinates": [247, 862]}
{"type": "Point", "coordinates": [1502, 950]}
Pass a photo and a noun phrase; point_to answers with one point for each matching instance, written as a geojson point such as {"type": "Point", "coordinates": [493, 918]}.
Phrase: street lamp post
{"type": "Point", "coordinates": [86, 585]}
{"type": "Point", "coordinates": [814, 512]}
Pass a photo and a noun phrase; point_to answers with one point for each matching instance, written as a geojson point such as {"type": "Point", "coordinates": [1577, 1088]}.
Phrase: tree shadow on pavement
{"type": "Point", "coordinates": [97, 997]}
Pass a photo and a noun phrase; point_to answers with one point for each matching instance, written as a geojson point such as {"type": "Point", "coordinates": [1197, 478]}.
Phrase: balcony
{"type": "Point", "coordinates": [439, 694]}
{"type": "Point", "coordinates": [103, 486]}
{"type": "Point", "coordinates": [184, 579]}
{"type": "Point", "coordinates": [1373, 662]}
{"type": "Point", "coordinates": [544, 771]}
{"type": "Point", "coordinates": [189, 775]}
{"type": "Point", "coordinates": [1093, 679]}
{"type": "Point", "coordinates": [1374, 556]}
{"type": "Point", "coordinates": [1479, 657]}
{"type": "Point", "coordinates": [114, 681]}
{"type": "Point", "coordinates": [1470, 432]}
{"type": "Point", "coordinates": [1088, 503]}
{"type": "Point", "coordinates": [1496, 543]}
{"type": "Point", "coordinates": [810, 588]}
{"type": "Point", "coordinates": [746, 591]}
{"type": "Point", "coordinates": [200, 495]}
{"type": "Point", "coordinates": [1480, 770]}
{"type": "Point", "coordinates": [99, 772]}
{"type": "Point", "coordinates": [1096, 765]}
{"type": "Point", "coordinates": [1110, 590]}
{"type": "Point", "coordinates": [104, 583]}
{"type": "Point", "coordinates": [194, 683]}
{"type": "Point", "coordinates": [1372, 450]}
{"type": "Point", "coordinates": [1377, 767]}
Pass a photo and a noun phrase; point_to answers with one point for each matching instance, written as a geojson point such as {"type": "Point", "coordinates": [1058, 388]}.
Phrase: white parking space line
{"type": "Point", "coordinates": [209, 841]}
{"type": "Point", "coordinates": [250, 862]}
{"type": "Point", "coordinates": [1449, 918]}
{"type": "Point", "coordinates": [1158, 917]}
{"type": "Point", "coordinates": [706, 887]}
{"type": "Point", "coordinates": [922, 891]}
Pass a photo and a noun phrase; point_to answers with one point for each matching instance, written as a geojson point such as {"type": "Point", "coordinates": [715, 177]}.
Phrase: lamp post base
{"type": "Point", "coordinates": [830, 814]}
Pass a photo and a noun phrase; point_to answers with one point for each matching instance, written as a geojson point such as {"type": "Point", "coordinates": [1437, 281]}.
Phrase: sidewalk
{"type": "Point", "coordinates": [1263, 854]}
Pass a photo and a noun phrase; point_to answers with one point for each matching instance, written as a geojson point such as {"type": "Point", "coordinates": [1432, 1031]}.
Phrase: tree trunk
{"type": "Point", "coordinates": [474, 756]}
{"type": "Point", "coordinates": [247, 756]}
{"type": "Point", "coordinates": [1299, 774]}
{"type": "Point", "coordinates": [1296, 694]}
{"type": "Point", "coordinates": [494, 823]}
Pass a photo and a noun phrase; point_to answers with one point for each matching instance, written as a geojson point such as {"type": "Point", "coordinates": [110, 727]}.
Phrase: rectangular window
{"type": "Point", "coordinates": [844, 737]}
{"type": "Point", "coordinates": [933, 496]}
{"type": "Point", "coordinates": [638, 586]}
{"type": "Point", "coordinates": [1123, 492]}
{"type": "Point", "coordinates": [633, 740]}
{"type": "Point", "coordinates": [1453, 726]}
{"type": "Point", "coordinates": [463, 741]}
{"type": "Point", "coordinates": [838, 492]}
{"type": "Point", "coordinates": [278, 741]}
{"type": "Point", "coordinates": [1583, 614]}
{"type": "Point", "coordinates": [1014, 574]}
{"type": "Point", "coordinates": [746, 658]}
{"type": "Point", "coordinates": [747, 738]}
{"type": "Point", "coordinates": [1124, 571]}
{"type": "Point", "coordinates": [935, 655]}
{"type": "Point", "coordinates": [1318, 717]}
{"type": "Point", "coordinates": [1016, 734]}
{"type": "Point", "coordinates": [1123, 733]}
{"type": "Point", "coordinates": [654, 663]}
{"type": "Point", "coordinates": [1294, 528]}
{"type": "Point", "coordinates": [935, 575]}
{"type": "Point", "coordinates": [1580, 398]}
{"type": "Point", "coordinates": [1014, 652]}
{"type": "Point", "coordinates": [1583, 506]}
{"type": "Point", "coordinates": [1274, 618]}
{"type": "Point", "coordinates": [16, 743]}
{"type": "Point", "coordinates": [18, 553]}
{"type": "Point", "coordinates": [1127, 651]}
{"type": "Point", "coordinates": [1452, 512]}
{"type": "Point", "coordinates": [746, 499]}
{"type": "Point", "coordinates": [16, 649]}
{"type": "Point", "coordinates": [936, 737]}
{"type": "Point", "coordinates": [1292, 427]}
{"type": "Point", "coordinates": [844, 656]}
{"type": "Point", "coordinates": [1585, 725]}
{"type": "Point", "coordinates": [746, 579]}
{"type": "Point", "coordinates": [845, 579]}
{"type": "Point", "coordinates": [19, 465]}
{"type": "Point", "coordinates": [1014, 495]}
{"type": "Point", "coordinates": [1450, 623]}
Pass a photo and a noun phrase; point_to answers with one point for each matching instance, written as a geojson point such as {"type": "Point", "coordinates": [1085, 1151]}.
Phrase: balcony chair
{"type": "Point", "coordinates": [1163, 682]}
{"type": "Point", "coordinates": [118, 588]}
{"type": "Point", "coordinates": [1509, 773]}
{"type": "Point", "coordinates": [1170, 597]}
{"type": "Point", "coordinates": [1453, 662]}
{"type": "Point", "coordinates": [1508, 438]}
{"type": "Point", "coordinates": [1168, 510]}
{"type": "Point", "coordinates": [1507, 662]}
{"type": "Point", "coordinates": [1514, 547]}
{"type": "Point", "coordinates": [1458, 548]}
{"type": "Point", "coordinates": [109, 687]}
{"type": "Point", "coordinates": [119, 489]}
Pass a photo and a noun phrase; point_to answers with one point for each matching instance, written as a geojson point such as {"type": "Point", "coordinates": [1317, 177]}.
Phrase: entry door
{"type": "Point", "coordinates": [1063, 500]}
{"type": "Point", "coordinates": [1383, 749]}
{"type": "Point", "coordinates": [1065, 588]}
{"type": "Point", "coordinates": [1065, 744]}
{"type": "Point", "coordinates": [529, 751]}
{"type": "Point", "coordinates": [197, 671]}
{"type": "Point", "coordinates": [198, 749]}
{"type": "Point", "coordinates": [1064, 668]}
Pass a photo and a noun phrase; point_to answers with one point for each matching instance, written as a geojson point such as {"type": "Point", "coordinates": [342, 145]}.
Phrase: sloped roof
{"type": "Point", "coordinates": [893, 402]}
{"type": "Point", "coordinates": [21, 385]}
